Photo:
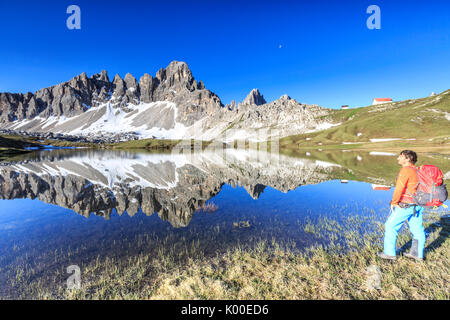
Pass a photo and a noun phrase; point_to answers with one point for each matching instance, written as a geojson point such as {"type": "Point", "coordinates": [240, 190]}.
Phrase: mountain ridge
{"type": "Point", "coordinates": [172, 104]}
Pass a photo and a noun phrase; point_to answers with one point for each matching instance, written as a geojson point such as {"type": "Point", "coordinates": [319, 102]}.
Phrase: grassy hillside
{"type": "Point", "coordinates": [160, 144]}
{"type": "Point", "coordinates": [144, 144]}
{"type": "Point", "coordinates": [420, 119]}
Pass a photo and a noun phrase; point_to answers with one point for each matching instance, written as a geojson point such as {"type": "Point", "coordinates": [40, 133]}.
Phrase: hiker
{"type": "Point", "coordinates": [403, 209]}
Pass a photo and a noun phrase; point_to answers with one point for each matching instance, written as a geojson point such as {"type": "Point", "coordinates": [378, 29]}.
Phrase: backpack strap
{"type": "Point", "coordinates": [417, 186]}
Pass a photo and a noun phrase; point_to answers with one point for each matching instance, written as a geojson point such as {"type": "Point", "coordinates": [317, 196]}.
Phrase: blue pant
{"type": "Point", "coordinates": [395, 222]}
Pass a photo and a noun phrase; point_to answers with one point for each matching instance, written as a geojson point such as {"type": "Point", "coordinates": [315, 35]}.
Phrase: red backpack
{"type": "Point", "coordinates": [430, 190]}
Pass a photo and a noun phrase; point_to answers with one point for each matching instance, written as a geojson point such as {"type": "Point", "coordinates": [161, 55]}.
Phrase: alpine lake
{"type": "Point", "coordinates": [62, 210]}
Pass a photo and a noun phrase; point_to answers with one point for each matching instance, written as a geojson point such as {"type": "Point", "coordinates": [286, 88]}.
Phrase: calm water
{"type": "Point", "coordinates": [66, 208]}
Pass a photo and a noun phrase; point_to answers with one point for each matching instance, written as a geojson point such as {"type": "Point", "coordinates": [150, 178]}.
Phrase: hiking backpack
{"type": "Point", "coordinates": [431, 190]}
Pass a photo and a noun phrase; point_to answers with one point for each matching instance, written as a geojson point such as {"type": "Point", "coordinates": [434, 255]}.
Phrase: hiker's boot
{"type": "Point", "coordinates": [414, 252]}
{"type": "Point", "coordinates": [384, 256]}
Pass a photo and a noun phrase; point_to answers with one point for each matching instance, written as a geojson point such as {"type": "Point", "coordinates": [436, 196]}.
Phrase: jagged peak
{"type": "Point", "coordinates": [81, 77]}
{"type": "Point", "coordinates": [129, 76]}
{"type": "Point", "coordinates": [232, 105]}
{"type": "Point", "coordinates": [74, 82]}
{"type": "Point", "coordinates": [102, 76]}
{"type": "Point", "coordinates": [145, 77]}
{"type": "Point", "coordinates": [254, 97]}
{"type": "Point", "coordinates": [285, 97]}
{"type": "Point", "coordinates": [179, 70]}
{"type": "Point", "coordinates": [117, 78]}
{"type": "Point", "coordinates": [177, 64]}
{"type": "Point", "coordinates": [130, 80]}
{"type": "Point", "coordinates": [161, 74]}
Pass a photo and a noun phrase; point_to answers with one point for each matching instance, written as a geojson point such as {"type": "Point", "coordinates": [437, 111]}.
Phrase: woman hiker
{"type": "Point", "coordinates": [403, 209]}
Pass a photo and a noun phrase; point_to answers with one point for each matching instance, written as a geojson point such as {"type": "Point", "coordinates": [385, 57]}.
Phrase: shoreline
{"type": "Point", "coordinates": [287, 145]}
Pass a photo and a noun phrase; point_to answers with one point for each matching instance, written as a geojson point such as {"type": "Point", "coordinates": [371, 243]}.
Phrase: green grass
{"type": "Point", "coordinates": [63, 143]}
{"type": "Point", "coordinates": [145, 144]}
{"type": "Point", "coordinates": [158, 144]}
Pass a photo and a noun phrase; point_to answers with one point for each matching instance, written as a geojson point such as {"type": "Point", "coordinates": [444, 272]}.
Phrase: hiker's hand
{"type": "Point", "coordinates": [393, 206]}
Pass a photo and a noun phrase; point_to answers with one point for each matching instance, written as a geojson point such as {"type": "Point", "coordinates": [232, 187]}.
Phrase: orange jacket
{"type": "Point", "coordinates": [406, 180]}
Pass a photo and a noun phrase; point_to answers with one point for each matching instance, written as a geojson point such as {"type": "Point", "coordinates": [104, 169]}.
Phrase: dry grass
{"type": "Point", "coordinates": [270, 271]}
{"type": "Point", "coordinates": [282, 274]}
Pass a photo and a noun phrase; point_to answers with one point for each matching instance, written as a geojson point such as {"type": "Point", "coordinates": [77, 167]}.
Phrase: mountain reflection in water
{"type": "Point", "coordinates": [174, 186]}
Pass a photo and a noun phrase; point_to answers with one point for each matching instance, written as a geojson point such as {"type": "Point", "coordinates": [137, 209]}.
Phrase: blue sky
{"type": "Point", "coordinates": [327, 56]}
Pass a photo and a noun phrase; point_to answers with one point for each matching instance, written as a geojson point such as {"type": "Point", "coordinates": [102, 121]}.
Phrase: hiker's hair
{"type": "Point", "coordinates": [410, 155]}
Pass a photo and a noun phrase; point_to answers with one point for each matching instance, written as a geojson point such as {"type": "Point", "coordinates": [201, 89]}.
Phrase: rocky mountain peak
{"type": "Point", "coordinates": [174, 90]}
{"type": "Point", "coordinates": [132, 93]}
{"type": "Point", "coordinates": [83, 76]}
{"type": "Point", "coordinates": [232, 105]}
{"type": "Point", "coordinates": [102, 76]}
{"type": "Point", "coordinates": [145, 78]}
{"type": "Point", "coordinates": [178, 72]}
{"type": "Point", "coordinates": [118, 86]}
{"type": "Point", "coordinates": [117, 79]}
{"type": "Point", "coordinates": [178, 66]}
{"type": "Point", "coordinates": [146, 86]}
{"type": "Point", "coordinates": [130, 81]}
{"type": "Point", "coordinates": [255, 97]}
{"type": "Point", "coordinates": [161, 75]}
{"type": "Point", "coordinates": [81, 79]}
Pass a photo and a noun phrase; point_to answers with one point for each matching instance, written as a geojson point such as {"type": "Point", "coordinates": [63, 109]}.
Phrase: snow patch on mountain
{"type": "Point", "coordinates": [116, 120]}
{"type": "Point", "coordinates": [155, 119]}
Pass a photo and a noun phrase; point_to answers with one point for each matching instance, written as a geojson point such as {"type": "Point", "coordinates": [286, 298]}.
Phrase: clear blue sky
{"type": "Point", "coordinates": [327, 54]}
